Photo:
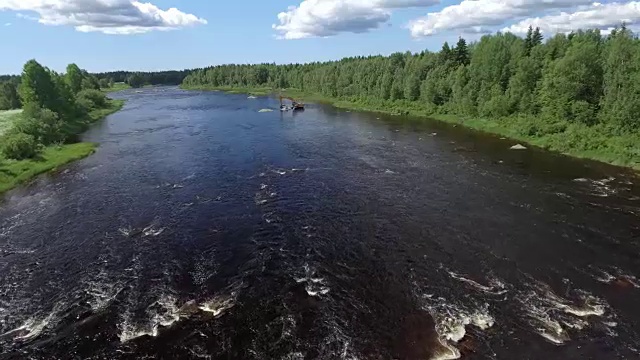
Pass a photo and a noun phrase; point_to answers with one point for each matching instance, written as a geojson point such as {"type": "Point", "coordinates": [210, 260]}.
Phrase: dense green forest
{"type": "Point", "coordinates": [578, 93]}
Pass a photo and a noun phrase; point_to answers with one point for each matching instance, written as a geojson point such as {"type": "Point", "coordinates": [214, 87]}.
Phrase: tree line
{"type": "Point", "coordinates": [584, 78]}
{"type": "Point", "coordinates": [9, 98]}
{"type": "Point", "coordinates": [56, 107]}
{"type": "Point", "coordinates": [139, 79]}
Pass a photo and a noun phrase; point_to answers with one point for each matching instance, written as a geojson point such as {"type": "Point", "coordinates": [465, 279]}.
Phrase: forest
{"type": "Point", "coordinates": [139, 79]}
{"type": "Point", "coordinates": [576, 93]}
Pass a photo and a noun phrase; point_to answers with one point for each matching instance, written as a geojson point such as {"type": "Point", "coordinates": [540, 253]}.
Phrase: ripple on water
{"type": "Point", "coordinates": [495, 286]}
{"type": "Point", "coordinates": [162, 313]}
{"type": "Point", "coordinates": [102, 292]}
{"type": "Point", "coordinates": [614, 276]}
{"type": "Point", "coordinates": [35, 324]}
{"type": "Point", "coordinates": [31, 328]}
{"type": "Point", "coordinates": [601, 187]}
{"type": "Point", "coordinates": [314, 285]}
{"type": "Point", "coordinates": [553, 317]}
{"type": "Point", "coordinates": [152, 230]}
{"type": "Point", "coordinates": [452, 320]}
{"type": "Point", "coordinates": [218, 305]}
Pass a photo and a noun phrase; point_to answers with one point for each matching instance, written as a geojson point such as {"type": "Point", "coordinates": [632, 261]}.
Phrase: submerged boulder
{"type": "Point", "coordinates": [518, 147]}
{"type": "Point", "coordinates": [265, 110]}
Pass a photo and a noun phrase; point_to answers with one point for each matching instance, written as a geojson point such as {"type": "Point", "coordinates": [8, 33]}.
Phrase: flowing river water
{"type": "Point", "coordinates": [205, 229]}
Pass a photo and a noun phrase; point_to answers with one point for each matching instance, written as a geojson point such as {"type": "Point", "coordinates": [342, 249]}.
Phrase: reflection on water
{"type": "Point", "coordinates": [204, 229]}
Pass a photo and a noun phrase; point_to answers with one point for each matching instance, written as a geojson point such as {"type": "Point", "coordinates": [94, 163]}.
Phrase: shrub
{"type": "Point", "coordinates": [19, 146]}
{"type": "Point", "coordinates": [84, 105]}
{"type": "Point", "coordinates": [43, 124]}
{"type": "Point", "coordinates": [583, 112]}
{"type": "Point", "coordinates": [94, 98]}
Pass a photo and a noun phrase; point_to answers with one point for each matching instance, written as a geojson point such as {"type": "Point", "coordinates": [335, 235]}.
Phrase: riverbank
{"type": "Point", "coordinates": [16, 172]}
{"type": "Point", "coordinates": [597, 142]}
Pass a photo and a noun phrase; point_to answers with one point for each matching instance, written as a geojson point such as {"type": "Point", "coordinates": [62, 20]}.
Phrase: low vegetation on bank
{"type": "Point", "coordinates": [56, 108]}
{"type": "Point", "coordinates": [577, 94]}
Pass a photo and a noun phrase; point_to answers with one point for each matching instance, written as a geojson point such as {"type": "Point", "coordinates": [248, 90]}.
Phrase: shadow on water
{"type": "Point", "coordinates": [203, 228]}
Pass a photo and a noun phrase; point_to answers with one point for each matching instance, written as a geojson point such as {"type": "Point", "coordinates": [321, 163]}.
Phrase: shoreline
{"type": "Point", "coordinates": [17, 172]}
{"type": "Point", "coordinates": [617, 150]}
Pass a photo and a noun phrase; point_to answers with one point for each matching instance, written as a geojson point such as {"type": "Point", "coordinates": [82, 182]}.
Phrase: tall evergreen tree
{"type": "Point", "coordinates": [537, 37]}
{"type": "Point", "coordinates": [528, 41]}
{"type": "Point", "coordinates": [461, 52]}
{"type": "Point", "coordinates": [446, 54]}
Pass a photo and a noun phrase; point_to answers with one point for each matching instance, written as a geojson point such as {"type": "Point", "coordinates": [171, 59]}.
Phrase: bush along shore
{"type": "Point", "coordinates": [56, 109]}
{"type": "Point", "coordinates": [576, 93]}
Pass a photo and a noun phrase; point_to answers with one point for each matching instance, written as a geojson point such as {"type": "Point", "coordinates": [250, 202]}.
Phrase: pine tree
{"type": "Point", "coordinates": [461, 52]}
{"type": "Point", "coordinates": [537, 37]}
{"type": "Point", "coordinates": [445, 53]}
{"type": "Point", "coordinates": [528, 41]}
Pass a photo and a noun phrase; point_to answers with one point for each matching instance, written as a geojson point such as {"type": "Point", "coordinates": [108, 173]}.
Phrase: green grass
{"type": "Point", "coordinates": [6, 119]}
{"type": "Point", "coordinates": [590, 142]}
{"type": "Point", "coordinates": [16, 172]}
{"type": "Point", "coordinates": [117, 87]}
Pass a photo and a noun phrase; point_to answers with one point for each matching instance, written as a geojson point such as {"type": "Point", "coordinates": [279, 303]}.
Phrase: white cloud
{"type": "Point", "coordinates": [600, 16]}
{"type": "Point", "coordinates": [7, 24]}
{"type": "Point", "coordinates": [321, 18]}
{"type": "Point", "coordinates": [479, 16]}
{"type": "Point", "coordinates": [106, 16]}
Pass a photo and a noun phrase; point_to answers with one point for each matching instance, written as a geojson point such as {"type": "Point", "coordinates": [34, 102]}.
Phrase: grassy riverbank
{"type": "Point", "coordinates": [16, 172]}
{"type": "Point", "coordinates": [597, 142]}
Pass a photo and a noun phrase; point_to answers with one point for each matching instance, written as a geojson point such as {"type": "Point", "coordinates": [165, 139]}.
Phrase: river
{"type": "Point", "coordinates": [205, 229]}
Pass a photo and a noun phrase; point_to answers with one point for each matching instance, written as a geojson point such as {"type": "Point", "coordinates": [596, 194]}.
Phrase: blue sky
{"type": "Point", "coordinates": [241, 31]}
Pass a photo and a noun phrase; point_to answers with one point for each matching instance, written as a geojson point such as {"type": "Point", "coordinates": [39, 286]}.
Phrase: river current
{"type": "Point", "coordinates": [203, 228]}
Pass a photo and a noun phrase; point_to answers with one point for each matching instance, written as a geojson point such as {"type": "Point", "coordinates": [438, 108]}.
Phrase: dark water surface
{"type": "Point", "coordinates": [204, 229]}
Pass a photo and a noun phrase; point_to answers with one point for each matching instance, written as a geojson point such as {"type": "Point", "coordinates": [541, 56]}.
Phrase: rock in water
{"type": "Point", "coordinates": [252, 97]}
{"type": "Point", "coordinates": [518, 147]}
{"type": "Point", "coordinates": [265, 110]}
